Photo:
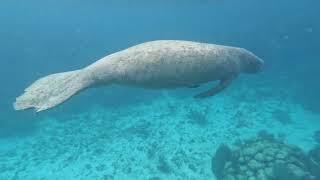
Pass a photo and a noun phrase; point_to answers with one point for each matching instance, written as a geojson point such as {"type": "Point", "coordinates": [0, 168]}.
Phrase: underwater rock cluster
{"type": "Point", "coordinates": [265, 158]}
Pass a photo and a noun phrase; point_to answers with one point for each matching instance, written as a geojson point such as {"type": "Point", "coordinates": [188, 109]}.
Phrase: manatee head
{"type": "Point", "coordinates": [249, 63]}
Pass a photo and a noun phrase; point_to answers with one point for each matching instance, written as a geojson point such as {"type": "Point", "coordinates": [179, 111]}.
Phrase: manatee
{"type": "Point", "coordinates": [153, 65]}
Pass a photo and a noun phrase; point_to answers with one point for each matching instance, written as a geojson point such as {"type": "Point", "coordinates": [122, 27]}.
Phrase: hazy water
{"type": "Point", "coordinates": [39, 37]}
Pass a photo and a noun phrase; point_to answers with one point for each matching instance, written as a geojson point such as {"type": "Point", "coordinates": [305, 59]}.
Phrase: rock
{"type": "Point", "coordinates": [241, 177]}
{"type": "Point", "coordinates": [246, 159]}
{"type": "Point", "coordinates": [243, 168]}
{"type": "Point", "coordinates": [268, 172]}
{"type": "Point", "coordinates": [268, 158]}
{"type": "Point", "coordinates": [297, 171]}
{"type": "Point", "coordinates": [249, 151]}
{"type": "Point", "coordinates": [280, 156]}
{"type": "Point", "coordinates": [299, 154]}
{"type": "Point", "coordinates": [295, 161]}
{"type": "Point", "coordinates": [279, 161]}
{"type": "Point", "coordinates": [227, 165]}
{"type": "Point", "coordinates": [261, 175]}
{"type": "Point", "coordinates": [269, 151]}
{"type": "Point", "coordinates": [249, 173]}
{"type": "Point", "coordinates": [230, 171]}
{"type": "Point", "coordinates": [230, 177]}
{"type": "Point", "coordinates": [290, 171]}
{"type": "Point", "coordinates": [222, 156]}
{"type": "Point", "coordinates": [260, 146]}
{"type": "Point", "coordinates": [241, 159]}
{"type": "Point", "coordinates": [259, 157]}
{"type": "Point", "coordinates": [254, 165]}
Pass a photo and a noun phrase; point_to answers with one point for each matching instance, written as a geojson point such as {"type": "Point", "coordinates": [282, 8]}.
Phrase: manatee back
{"type": "Point", "coordinates": [174, 63]}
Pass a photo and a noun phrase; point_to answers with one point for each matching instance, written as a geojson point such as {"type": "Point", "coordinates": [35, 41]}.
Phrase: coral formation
{"type": "Point", "coordinates": [265, 157]}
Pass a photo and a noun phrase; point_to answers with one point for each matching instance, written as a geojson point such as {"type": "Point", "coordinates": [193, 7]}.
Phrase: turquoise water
{"type": "Point", "coordinates": [118, 132]}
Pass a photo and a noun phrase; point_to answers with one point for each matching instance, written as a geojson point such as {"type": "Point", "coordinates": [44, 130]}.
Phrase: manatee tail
{"type": "Point", "coordinates": [51, 90]}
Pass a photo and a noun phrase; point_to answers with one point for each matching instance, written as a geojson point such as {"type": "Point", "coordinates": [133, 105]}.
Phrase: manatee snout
{"type": "Point", "coordinates": [256, 65]}
{"type": "Point", "coordinates": [260, 64]}
{"type": "Point", "coordinates": [251, 63]}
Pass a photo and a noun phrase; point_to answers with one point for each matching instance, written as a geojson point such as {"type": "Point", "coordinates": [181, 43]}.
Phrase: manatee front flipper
{"type": "Point", "coordinates": [221, 86]}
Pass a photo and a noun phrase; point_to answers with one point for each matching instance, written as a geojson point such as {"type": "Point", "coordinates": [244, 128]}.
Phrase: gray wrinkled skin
{"type": "Point", "coordinates": [171, 64]}
{"type": "Point", "coordinates": [155, 64]}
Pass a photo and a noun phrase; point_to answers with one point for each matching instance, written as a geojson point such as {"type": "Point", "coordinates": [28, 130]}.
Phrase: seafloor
{"type": "Point", "coordinates": [170, 137]}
